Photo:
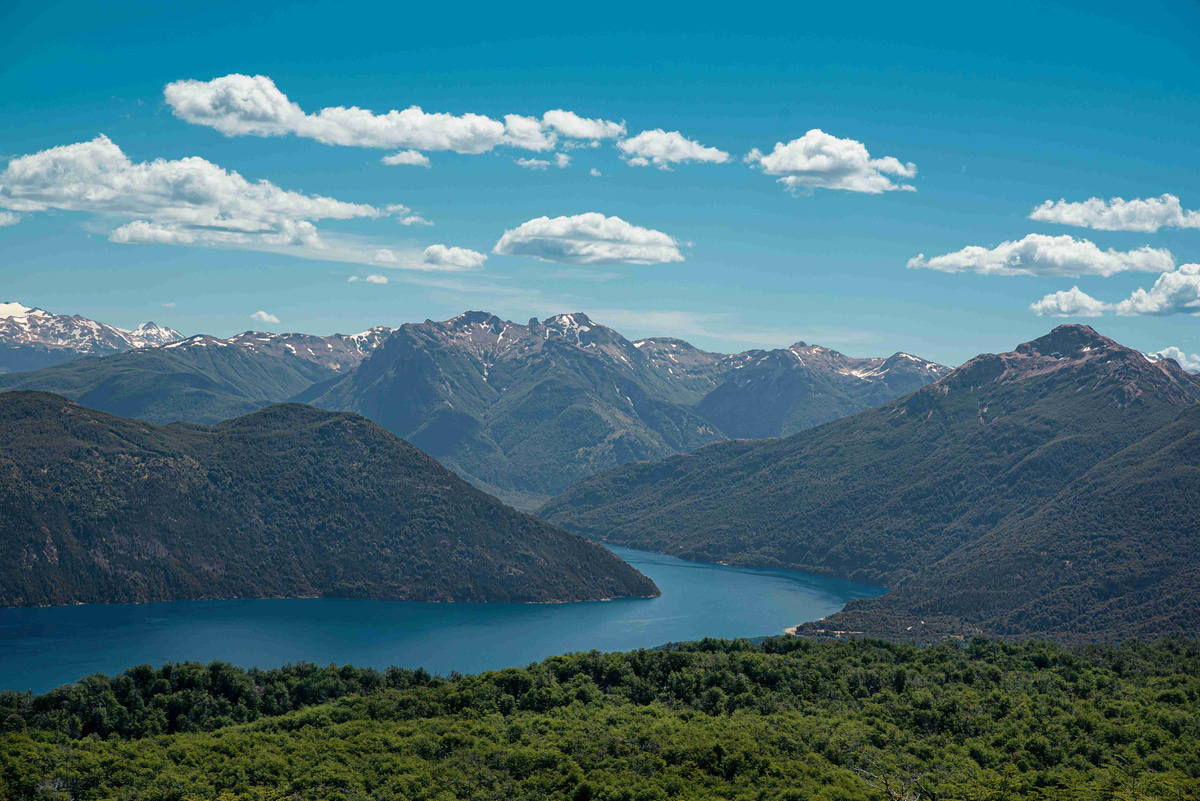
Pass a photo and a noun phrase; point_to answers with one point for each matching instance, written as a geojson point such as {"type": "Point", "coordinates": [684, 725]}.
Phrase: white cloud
{"type": "Point", "coordinates": [1191, 362]}
{"type": "Point", "coordinates": [665, 148]}
{"type": "Point", "coordinates": [239, 105]}
{"type": "Point", "coordinates": [181, 201]}
{"type": "Point", "coordinates": [1175, 292]}
{"type": "Point", "coordinates": [188, 201]}
{"type": "Point", "coordinates": [457, 258]}
{"type": "Point", "coordinates": [264, 317]}
{"type": "Point", "coordinates": [412, 158]}
{"type": "Point", "coordinates": [560, 160]}
{"type": "Point", "coordinates": [434, 257]}
{"type": "Point", "coordinates": [819, 160]}
{"type": "Point", "coordinates": [527, 133]}
{"type": "Point", "coordinates": [1072, 303]}
{"type": "Point", "coordinates": [8, 218]}
{"type": "Point", "coordinates": [169, 305]}
{"type": "Point", "coordinates": [1145, 216]}
{"type": "Point", "coordinates": [244, 105]}
{"type": "Point", "coordinates": [370, 279]}
{"type": "Point", "coordinates": [1038, 254]}
{"type": "Point", "coordinates": [595, 173]}
{"type": "Point", "coordinates": [589, 238]}
{"type": "Point", "coordinates": [572, 126]}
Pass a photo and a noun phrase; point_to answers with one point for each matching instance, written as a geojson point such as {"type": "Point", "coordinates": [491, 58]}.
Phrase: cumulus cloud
{"type": "Point", "coordinates": [264, 317]}
{"type": "Point", "coordinates": [182, 201]}
{"type": "Point", "coordinates": [1145, 216]}
{"type": "Point", "coordinates": [8, 218]}
{"type": "Point", "coordinates": [589, 238]}
{"type": "Point", "coordinates": [240, 105]}
{"type": "Point", "coordinates": [1175, 292]}
{"type": "Point", "coordinates": [369, 279]}
{"type": "Point", "coordinates": [434, 257]}
{"type": "Point", "coordinates": [533, 164]}
{"type": "Point", "coordinates": [819, 160]}
{"type": "Point", "coordinates": [410, 158]}
{"type": "Point", "coordinates": [1072, 303]}
{"type": "Point", "coordinates": [252, 105]}
{"type": "Point", "coordinates": [595, 173]}
{"type": "Point", "coordinates": [562, 160]}
{"type": "Point", "coordinates": [664, 148]}
{"type": "Point", "coordinates": [458, 258]}
{"type": "Point", "coordinates": [1191, 362]}
{"type": "Point", "coordinates": [1038, 254]}
{"type": "Point", "coordinates": [169, 305]}
{"type": "Point", "coordinates": [572, 126]}
{"type": "Point", "coordinates": [527, 133]}
{"type": "Point", "coordinates": [187, 201]}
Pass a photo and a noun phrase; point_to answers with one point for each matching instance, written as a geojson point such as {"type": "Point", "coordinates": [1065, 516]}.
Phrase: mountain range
{"type": "Point", "coordinates": [1052, 490]}
{"type": "Point", "coordinates": [521, 411]}
{"type": "Point", "coordinates": [31, 338]}
{"type": "Point", "coordinates": [524, 411]}
{"type": "Point", "coordinates": [289, 501]}
{"type": "Point", "coordinates": [202, 379]}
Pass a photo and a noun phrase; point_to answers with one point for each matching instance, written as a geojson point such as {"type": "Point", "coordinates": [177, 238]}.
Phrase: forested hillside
{"type": "Point", "coordinates": [789, 718]}
{"type": "Point", "coordinates": [1001, 469]}
{"type": "Point", "coordinates": [290, 501]}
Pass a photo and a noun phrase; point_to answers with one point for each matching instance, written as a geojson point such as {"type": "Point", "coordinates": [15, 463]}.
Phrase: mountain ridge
{"type": "Point", "coordinates": [31, 338]}
{"type": "Point", "coordinates": [289, 501]}
{"type": "Point", "coordinates": [884, 495]}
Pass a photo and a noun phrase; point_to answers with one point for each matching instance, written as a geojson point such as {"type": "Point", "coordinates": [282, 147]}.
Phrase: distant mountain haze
{"type": "Point", "coordinates": [522, 411]}
{"type": "Point", "coordinates": [289, 501]}
{"type": "Point", "coordinates": [1054, 489]}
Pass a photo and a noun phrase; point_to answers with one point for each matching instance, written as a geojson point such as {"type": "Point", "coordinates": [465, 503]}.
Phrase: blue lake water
{"type": "Point", "coordinates": [43, 648]}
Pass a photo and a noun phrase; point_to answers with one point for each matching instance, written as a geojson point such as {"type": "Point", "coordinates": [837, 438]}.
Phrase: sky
{"type": "Point", "coordinates": [869, 177]}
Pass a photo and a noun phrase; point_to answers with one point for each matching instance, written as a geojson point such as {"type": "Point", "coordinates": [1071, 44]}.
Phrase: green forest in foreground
{"type": "Point", "coordinates": [783, 718]}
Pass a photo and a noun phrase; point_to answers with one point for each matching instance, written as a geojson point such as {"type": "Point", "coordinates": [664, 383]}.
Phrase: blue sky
{"type": "Point", "coordinates": [997, 112]}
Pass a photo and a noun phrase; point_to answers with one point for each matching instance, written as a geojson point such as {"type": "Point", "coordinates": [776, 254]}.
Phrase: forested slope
{"type": "Point", "coordinates": [789, 719]}
{"type": "Point", "coordinates": [288, 501]}
{"type": "Point", "coordinates": [974, 469]}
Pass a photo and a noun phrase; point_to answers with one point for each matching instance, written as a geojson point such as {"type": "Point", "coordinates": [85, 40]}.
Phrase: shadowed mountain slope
{"type": "Point", "coordinates": [288, 501]}
{"type": "Point", "coordinates": [952, 471]}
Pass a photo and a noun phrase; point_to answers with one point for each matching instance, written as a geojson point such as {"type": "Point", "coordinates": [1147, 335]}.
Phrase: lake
{"type": "Point", "coordinates": [43, 648]}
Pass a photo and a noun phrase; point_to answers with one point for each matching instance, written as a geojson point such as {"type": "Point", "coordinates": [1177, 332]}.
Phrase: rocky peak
{"type": "Point", "coordinates": [1069, 341]}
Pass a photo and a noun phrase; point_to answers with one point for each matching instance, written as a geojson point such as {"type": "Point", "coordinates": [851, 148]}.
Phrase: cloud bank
{"type": "Point", "coordinates": [1042, 255]}
{"type": "Point", "coordinates": [819, 160]}
{"type": "Point", "coordinates": [1144, 216]}
{"type": "Point", "coordinates": [590, 238]}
